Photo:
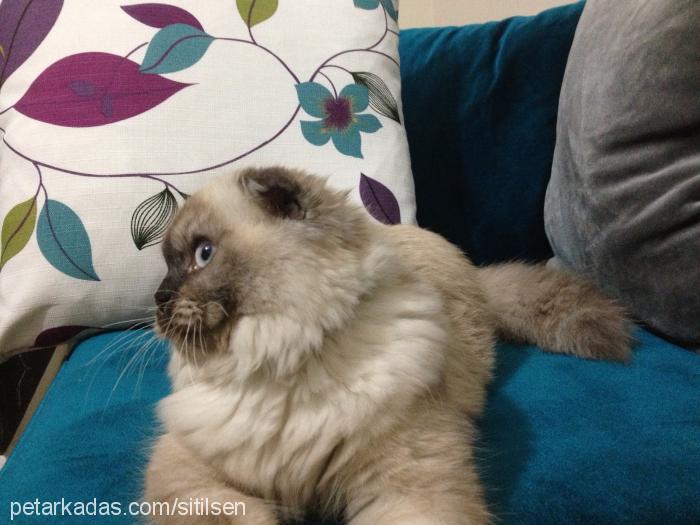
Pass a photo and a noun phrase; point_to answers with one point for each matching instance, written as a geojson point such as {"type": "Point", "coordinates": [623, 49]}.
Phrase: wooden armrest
{"type": "Point", "coordinates": [57, 358]}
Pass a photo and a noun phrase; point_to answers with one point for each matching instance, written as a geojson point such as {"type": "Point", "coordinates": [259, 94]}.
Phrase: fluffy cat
{"type": "Point", "coordinates": [322, 360]}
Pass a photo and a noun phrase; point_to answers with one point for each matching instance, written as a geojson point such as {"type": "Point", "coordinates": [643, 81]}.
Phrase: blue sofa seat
{"type": "Point", "coordinates": [562, 440]}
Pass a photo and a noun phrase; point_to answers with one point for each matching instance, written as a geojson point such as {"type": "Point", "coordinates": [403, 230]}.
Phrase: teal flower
{"type": "Point", "coordinates": [340, 116]}
{"type": "Point", "coordinates": [373, 4]}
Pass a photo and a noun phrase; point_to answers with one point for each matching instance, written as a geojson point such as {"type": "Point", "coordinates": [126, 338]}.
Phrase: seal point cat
{"type": "Point", "coordinates": [322, 360]}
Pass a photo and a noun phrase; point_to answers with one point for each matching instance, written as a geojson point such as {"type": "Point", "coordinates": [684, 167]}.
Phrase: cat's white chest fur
{"type": "Point", "coordinates": [271, 433]}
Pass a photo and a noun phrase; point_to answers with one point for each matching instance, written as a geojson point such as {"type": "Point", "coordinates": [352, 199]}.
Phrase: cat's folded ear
{"type": "Point", "coordinates": [277, 190]}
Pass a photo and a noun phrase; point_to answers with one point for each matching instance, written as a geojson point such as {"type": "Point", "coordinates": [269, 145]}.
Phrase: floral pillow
{"type": "Point", "coordinates": [112, 113]}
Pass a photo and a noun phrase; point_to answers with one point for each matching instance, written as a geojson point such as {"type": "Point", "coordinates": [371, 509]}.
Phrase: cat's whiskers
{"type": "Point", "coordinates": [120, 343]}
{"type": "Point", "coordinates": [134, 358]}
{"type": "Point", "coordinates": [150, 349]}
{"type": "Point", "coordinates": [187, 354]}
{"type": "Point", "coordinates": [202, 339]}
{"type": "Point", "coordinates": [138, 356]}
{"type": "Point", "coordinates": [134, 321]}
{"type": "Point", "coordinates": [121, 337]}
{"type": "Point", "coordinates": [166, 331]}
{"type": "Point", "coordinates": [216, 303]}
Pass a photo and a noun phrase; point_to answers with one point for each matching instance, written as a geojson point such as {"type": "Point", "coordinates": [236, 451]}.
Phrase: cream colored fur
{"type": "Point", "coordinates": [355, 390]}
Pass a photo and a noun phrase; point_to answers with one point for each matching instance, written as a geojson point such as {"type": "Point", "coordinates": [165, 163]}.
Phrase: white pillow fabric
{"type": "Point", "coordinates": [112, 112]}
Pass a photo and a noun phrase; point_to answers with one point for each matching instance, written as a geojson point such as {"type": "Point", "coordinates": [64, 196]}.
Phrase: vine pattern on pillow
{"type": "Point", "coordinates": [98, 89]}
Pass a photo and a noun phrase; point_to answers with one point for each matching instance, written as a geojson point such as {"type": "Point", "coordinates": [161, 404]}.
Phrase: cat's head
{"type": "Point", "coordinates": [262, 262]}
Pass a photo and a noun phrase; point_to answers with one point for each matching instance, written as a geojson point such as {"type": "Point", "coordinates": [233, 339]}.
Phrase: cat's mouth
{"type": "Point", "coordinates": [189, 322]}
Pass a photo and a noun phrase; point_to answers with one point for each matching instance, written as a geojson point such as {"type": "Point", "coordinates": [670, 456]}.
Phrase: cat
{"type": "Point", "coordinates": [323, 360]}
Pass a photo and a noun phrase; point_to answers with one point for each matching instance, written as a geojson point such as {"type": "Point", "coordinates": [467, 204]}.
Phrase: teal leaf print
{"type": "Point", "coordinates": [380, 98]}
{"type": "Point", "coordinates": [17, 228]}
{"type": "Point", "coordinates": [373, 4]}
{"type": "Point", "coordinates": [151, 218]}
{"type": "Point", "coordinates": [341, 120]}
{"type": "Point", "coordinates": [174, 48]}
{"type": "Point", "coordinates": [254, 12]}
{"type": "Point", "coordinates": [63, 241]}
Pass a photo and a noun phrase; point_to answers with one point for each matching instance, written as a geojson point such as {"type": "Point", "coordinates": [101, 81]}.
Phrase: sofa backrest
{"type": "Point", "coordinates": [480, 107]}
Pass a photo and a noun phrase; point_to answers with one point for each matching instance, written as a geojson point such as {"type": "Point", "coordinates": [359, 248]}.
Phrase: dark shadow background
{"type": "Point", "coordinates": [19, 377]}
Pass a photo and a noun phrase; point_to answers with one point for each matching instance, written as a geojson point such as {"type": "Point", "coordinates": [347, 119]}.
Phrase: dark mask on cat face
{"type": "Point", "coordinates": [246, 245]}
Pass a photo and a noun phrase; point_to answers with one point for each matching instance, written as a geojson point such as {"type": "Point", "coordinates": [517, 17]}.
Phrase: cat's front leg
{"type": "Point", "coordinates": [175, 478]}
{"type": "Point", "coordinates": [393, 508]}
{"type": "Point", "coordinates": [424, 476]}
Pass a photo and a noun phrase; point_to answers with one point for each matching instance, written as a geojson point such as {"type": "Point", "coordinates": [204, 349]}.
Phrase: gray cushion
{"type": "Point", "coordinates": [623, 203]}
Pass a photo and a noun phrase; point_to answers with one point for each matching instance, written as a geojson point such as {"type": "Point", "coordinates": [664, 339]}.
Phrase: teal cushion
{"type": "Point", "coordinates": [480, 106]}
{"type": "Point", "coordinates": [563, 440]}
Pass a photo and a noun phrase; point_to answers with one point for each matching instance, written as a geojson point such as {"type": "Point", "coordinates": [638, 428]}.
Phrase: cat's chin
{"type": "Point", "coordinates": [193, 338]}
{"type": "Point", "coordinates": [181, 333]}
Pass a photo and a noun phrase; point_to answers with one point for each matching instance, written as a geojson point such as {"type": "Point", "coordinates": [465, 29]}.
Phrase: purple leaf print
{"type": "Point", "coordinates": [379, 200]}
{"type": "Point", "coordinates": [23, 26]}
{"type": "Point", "coordinates": [106, 106]}
{"type": "Point", "coordinates": [83, 88]}
{"type": "Point", "coordinates": [161, 15]}
{"type": "Point", "coordinates": [56, 336]}
{"type": "Point", "coordinates": [61, 94]}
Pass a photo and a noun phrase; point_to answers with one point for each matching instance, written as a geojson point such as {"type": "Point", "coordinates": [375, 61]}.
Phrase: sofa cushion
{"type": "Point", "coordinates": [112, 112]}
{"type": "Point", "coordinates": [480, 106]}
{"type": "Point", "coordinates": [563, 440]}
{"type": "Point", "coordinates": [623, 204]}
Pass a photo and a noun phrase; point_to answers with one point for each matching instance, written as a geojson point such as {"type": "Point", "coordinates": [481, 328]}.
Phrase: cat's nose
{"type": "Point", "coordinates": [162, 297]}
{"type": "Point", "coordinates": [167, 290]}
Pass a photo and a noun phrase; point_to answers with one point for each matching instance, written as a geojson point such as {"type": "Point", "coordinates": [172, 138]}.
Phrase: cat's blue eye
{"type": "Point", "coordinates": [204, 253]}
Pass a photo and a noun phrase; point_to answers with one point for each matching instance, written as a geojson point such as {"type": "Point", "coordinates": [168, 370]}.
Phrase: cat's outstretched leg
{"type": "Point", "coordinates": [175, 478]}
